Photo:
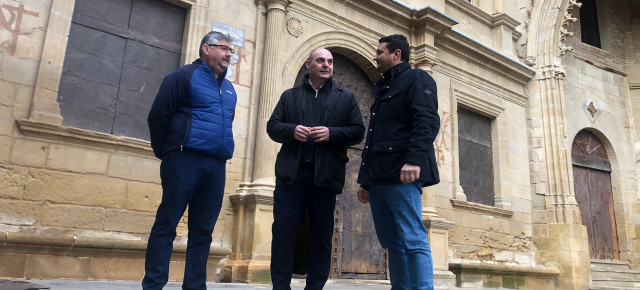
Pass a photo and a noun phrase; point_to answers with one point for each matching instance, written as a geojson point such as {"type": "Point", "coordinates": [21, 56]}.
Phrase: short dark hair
{"type": "Point", "coordinates": [213, 37]}
{"type": "Point", "coordinates": [397, 41]}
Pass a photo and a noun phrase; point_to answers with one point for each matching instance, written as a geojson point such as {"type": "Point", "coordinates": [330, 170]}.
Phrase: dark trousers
{"type": "Point", "coordinates": [197, 180]}
{"type": "Point", "coordinates": [289, 204]}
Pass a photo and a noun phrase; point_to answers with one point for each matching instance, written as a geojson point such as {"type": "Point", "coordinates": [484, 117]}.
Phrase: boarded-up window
{"type": "Point", "coordinates": [476, 159]}
{"type": "Point", "coordinates": [117, 55]}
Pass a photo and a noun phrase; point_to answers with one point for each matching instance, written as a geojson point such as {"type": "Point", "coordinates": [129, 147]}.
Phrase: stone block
{"type": "Point", "coordinates": [471, 281]}
{"type": "Point", "coordinates": [5, 149]}
{"type": "Point", "coordinates": [117, 269]}
{"type": "Point", "coordinates": [8, 93]}
{"type": "Point", "coordinates": [7, 122]}
{"type": "Point", "coordinates": [22, 103]}
{"type": "Point", "coordinates": [73, 216]}
{"type": "Point", "coordinates": [12, 265]}
{"type": "Point", "coordinates": [57, 267]}
{"type": "Point", "coordinates": [23, 71]}
{"type": "Point", "coordinates": [12, 181]}
{"type": "Point", "coordinates": [176, 270]}
{"type": "Point", "coordinates": [29, 153]}
{"type": "Point", "coordinates": [143, 196]}
{"type": "Point", "coordinates": [134, 168]}
{"type": "Point", "coordinates": [81, 189]}
{"type": "Point", "coordinates": [540, 230]}
{"type": "Point", "coordinates": [128, 221]}
{"type": "Point", "coordinates": [503, 256]}
{"type": "Point", "coordinates": [76, 159]}
{"type": "Point", "coordinates": [15, 212]}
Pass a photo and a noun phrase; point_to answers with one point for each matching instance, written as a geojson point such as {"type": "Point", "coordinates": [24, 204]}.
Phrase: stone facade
{"type": "Point", "coordinates": [79, 204]}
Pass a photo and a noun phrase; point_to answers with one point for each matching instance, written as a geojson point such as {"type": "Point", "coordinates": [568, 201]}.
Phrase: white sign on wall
{"type": "Point", "coordinates": [236, 33]}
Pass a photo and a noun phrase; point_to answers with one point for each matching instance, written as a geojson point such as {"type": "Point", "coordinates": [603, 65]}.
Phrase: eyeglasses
{"type": "Point", "coordinates": [224, 48]}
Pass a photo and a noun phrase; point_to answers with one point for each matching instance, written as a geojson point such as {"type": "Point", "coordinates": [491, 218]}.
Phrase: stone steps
{"type": "Point", "coordinates": [613, 275]}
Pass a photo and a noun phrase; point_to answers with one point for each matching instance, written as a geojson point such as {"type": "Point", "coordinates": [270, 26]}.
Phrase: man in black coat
{"type": "Point", "coordinates": [398, 160]}
{"type": "Point", "coordinates": [315, 122]}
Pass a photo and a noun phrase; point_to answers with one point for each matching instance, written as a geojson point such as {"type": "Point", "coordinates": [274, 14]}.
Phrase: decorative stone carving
{"type": "Point", "coordinates": [592, 110]}
{"type": "Point", "coordinates": [566, 19]}
{"type": "Point", "coordinates": [294, 26]}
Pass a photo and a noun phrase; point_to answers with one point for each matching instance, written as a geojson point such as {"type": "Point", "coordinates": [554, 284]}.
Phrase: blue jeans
{"type": "Point", "coordinates": [194, 179]}
{"type": "Point", "coordinates": [397, 215]}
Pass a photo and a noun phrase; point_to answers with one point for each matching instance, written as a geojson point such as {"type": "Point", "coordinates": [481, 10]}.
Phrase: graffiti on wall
{"type": "Point", "coordinates": [239, 72]}
{"type": "Point", "coordinates": [11, 19]}
{"type": "Point", "coordinates": [440, 144]}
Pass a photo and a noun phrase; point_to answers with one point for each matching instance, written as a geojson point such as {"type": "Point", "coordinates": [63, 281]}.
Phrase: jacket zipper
{"type": "Point", "coordinates": [224, 126]}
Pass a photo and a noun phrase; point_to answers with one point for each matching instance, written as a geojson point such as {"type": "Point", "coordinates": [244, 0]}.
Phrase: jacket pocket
{"type": "Point", "coordinates": [389, 158]}
{"type": "Point", "coordinates": [186, 129]}
{"type": "Point", "coordinates": [390, 146]}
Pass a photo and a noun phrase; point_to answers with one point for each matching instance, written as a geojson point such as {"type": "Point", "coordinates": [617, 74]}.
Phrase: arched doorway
{"type": "Point", "coordinates": [356, 250]}
{"type": "Point", "coordinates": [592, 184]}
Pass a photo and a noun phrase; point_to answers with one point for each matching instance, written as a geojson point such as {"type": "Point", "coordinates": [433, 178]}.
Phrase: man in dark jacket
{"type": "Point", "coordinates": [190, 128]}
{"type": "Point", "coordinates": [315, 122]}
{"type": "Point", "coordinates": [398, 160]}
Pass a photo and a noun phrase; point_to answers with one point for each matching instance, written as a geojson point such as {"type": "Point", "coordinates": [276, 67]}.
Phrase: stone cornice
{"type": "Point", "coordinates": [481, 208]}
{"type": "Point", "coordinates": [334, 20]}
{"type": "Point", "coordinates": [67, 243]}
{"type": "Point", "coordinates": [82, 136]}
{"type": "Point", "coordinates": [472, 10]}
{"type": "Point", "coordinates": [487, 103]}
{"type": "Point", "coordinates": [508, 21]}
{"type": "Point", "coordinates": [634, 85]}
{"type": "Point", "coordinates": [469, 49]}
{"type": "Point", "coordinates": [514, 93]}
{"type": "Point", "coordinates": [432, 20]}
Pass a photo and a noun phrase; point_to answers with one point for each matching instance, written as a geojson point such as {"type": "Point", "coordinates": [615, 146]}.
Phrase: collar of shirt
{"type": "Point", "coordinates": [315, 88]}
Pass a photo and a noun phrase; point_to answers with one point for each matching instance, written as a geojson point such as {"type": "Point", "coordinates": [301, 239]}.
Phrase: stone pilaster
{"type": "Point", "coordinates": [564, 243]}
{"type": "Point", "coordinates": [253, 201]}
{"type": "Point", "coordinates": [45, 106]}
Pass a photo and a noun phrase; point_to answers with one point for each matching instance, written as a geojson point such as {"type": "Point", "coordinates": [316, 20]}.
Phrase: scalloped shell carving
{"type": "Point", "coordinates": [294, 26]}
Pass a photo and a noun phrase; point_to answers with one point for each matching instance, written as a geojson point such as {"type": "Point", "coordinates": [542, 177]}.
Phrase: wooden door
{"type": "Point", "coordinates": [592, 184]}
{"type": "Point", "coordinates": [356, 251]}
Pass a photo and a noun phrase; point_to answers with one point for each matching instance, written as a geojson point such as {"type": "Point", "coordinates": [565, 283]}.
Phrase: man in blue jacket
{"type": "Point", "coordinates": [190, 128]}
{"type": "Point", "coordinates": [398, 160]}
{"type": "Point", "coordinates": [315, 122]}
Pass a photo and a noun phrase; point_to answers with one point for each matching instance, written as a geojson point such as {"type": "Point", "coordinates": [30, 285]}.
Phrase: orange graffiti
{"type": "Point", "coordinates": [440, 144]}
{"type": "Point", "coordinates": [13, 23]}
{"type": "Point", "coordinates": [242, 55]}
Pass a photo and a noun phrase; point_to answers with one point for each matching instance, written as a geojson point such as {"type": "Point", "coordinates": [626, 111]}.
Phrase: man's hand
{"type": "Point", "coordinates": [363, 195]}
{"type": "Point", "coordinates": [409, 173]}
{"type": "Point", "coordinates": [319, 134]}
{"type": "Point", "coordinates": [301, 133]}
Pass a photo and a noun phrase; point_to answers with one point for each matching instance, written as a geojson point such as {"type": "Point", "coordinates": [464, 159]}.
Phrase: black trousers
{"type": "Point", "coordinates": [289, 204]}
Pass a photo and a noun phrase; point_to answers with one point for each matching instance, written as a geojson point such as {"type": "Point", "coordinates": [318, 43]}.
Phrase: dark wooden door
{"type": "Point", "coordinates": [592, 184]}
{"type": "Point", "coordinates": [356, 250]}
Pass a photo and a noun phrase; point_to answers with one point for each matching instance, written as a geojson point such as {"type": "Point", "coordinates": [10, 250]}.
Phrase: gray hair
{"type": "Point", "coordinates": [214, 37]}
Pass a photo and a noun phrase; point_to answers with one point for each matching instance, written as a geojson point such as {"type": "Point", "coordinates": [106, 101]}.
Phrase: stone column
{"type": "Point", "coordinates": [424, 56]}
{"type": "Point", "coordinates": [560, 237]}
{"type": "Point", "coordinates": [253, 201]}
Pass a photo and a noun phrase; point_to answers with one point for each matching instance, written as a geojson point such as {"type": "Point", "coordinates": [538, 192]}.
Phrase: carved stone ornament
{"type": "Point", "coordinates": [566, 18]}
{"type": "Point", "coordinates": [592, 110]}
{"type": "Point", "coordinates": [294, 26]}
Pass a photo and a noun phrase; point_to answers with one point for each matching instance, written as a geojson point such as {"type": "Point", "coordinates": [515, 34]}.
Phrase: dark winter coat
{"type": "Point", "coordinates": [403, 125]}
{"type": "Point", "coordinates": [340, 113]}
